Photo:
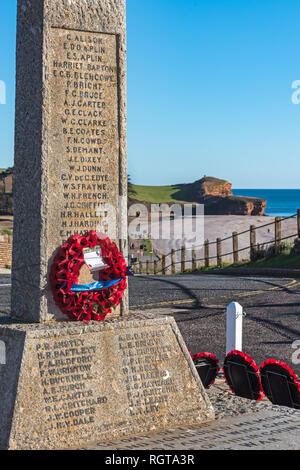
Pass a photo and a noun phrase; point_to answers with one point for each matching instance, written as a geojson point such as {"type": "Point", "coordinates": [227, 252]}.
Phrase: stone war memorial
{"type": "Point", "coordinates": [79, 367]}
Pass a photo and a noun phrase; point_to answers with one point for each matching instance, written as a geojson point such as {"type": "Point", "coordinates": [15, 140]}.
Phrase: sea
{"type": "Point", "coordinates": [280, 202]}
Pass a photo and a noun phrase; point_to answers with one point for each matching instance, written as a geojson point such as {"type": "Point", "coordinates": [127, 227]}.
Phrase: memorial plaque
{"type": "Point", "coordinates": [80, 384]}
{"type": "Point", "coordinates": [84, 150]}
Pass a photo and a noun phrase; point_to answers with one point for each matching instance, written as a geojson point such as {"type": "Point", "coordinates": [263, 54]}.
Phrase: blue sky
{"type": "Point", "coordinates": [209, 90]}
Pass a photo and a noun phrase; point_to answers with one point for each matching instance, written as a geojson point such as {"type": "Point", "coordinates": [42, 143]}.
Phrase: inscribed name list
{"type": "Point", "coordinates": [84, 144]}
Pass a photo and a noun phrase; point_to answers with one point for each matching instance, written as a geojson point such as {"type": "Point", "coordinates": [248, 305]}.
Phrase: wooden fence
{"type": "Point", "coordinates": [159, 265]}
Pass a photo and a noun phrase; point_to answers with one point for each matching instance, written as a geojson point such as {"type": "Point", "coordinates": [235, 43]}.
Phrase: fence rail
{"type": "Point", "coordinates": [160, 266]}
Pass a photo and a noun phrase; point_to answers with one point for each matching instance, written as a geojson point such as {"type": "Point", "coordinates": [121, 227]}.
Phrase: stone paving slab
{"type": "Point", "coordinates": [272, 429]}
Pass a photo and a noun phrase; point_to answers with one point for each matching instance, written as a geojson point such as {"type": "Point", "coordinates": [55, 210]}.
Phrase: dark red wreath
{"type": "Point", "coordinates": [209, 368]}
{"type": "Point", "coordinates": [92, 305]}
{"type": "Point", "coordinates": [247, 374]}
{"type": "Point", "coordinates": [280, 383]}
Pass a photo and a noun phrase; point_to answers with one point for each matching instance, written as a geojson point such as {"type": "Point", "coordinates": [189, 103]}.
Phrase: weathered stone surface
{"type": "Point", "coordinates": [234, 205]}
{"type": "Point", "coordinates": [274, 429]}
{"type": "Point", "coordinates": [70, 138]}
{"type": "Point", "coordinates": [209, 186]}
{"type": "Point", "coordinates": [69, 384]}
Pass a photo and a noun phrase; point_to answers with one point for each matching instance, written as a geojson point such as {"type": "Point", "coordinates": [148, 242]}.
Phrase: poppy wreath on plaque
{"type": "Point", "coordinates": [242, 375]}
{"type": "Point", "coordinates": [92, 301]}
{"type": "Point", "coordinates": [207, 366]}
{"type": "Point", "coordinates": [280, 383]}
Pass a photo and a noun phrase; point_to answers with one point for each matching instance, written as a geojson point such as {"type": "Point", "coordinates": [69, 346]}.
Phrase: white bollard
{"type": "Point", "coordinates": [234, 326]}
{"type": "Point", "coordinates": [2, 352]}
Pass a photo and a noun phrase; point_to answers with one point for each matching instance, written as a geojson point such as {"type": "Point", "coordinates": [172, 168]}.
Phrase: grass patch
{"type": "Point", "coordinates": [284, 261]}
{"type": "Point", "coordinates": [6, 231]}
{"type": "Point", "coordinates": [210, 268]}
{"type": "Point", "coordinates": [177, 192]}
{"type": "Point", "coordinates": [148, 250]}
{"type": "Point", "coordinates": [158, 194]}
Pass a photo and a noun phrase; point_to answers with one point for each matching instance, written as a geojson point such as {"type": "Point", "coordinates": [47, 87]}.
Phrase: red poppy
{"type": "Point", "coordinates": [93, 305]}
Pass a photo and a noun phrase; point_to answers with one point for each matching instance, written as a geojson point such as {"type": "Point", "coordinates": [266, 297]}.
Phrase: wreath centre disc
{"type": "Point", "coordinates": [103, 292]}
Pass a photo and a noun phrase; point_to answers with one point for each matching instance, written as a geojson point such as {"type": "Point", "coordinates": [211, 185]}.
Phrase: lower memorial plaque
{"type": "Point", "coordinates": [82, 383]}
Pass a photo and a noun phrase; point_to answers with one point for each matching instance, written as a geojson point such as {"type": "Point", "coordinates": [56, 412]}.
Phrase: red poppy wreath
{"type": "Point", "coordinates": [100, 298]}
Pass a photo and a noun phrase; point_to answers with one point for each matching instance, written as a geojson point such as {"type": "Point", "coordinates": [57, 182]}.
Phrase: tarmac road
{"type": "Point", "coordinates": [153, 290]}
{"type": "Point", "coordinates": [198, 303]}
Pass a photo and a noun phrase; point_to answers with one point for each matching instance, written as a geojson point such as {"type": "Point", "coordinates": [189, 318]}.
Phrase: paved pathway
{"type": "Point", "coordinates": [268, 430]}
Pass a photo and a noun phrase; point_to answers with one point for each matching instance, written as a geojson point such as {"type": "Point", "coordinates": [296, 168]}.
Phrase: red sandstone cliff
{"type": "Point", "coordinates": [217, 197]}
{"type": "Point", "coordinates": [209, 186]}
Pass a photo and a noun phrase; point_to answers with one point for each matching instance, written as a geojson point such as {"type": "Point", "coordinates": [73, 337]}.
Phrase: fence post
{"type": "Point", "coordinates": [194, 260]}
{"type": "Point", "coordinates": [219, 252]}
{"type": "Point", "coordinates": [277, 234]}
{"type": "Point", "coordinates": [206, 253]}
{"type": "Point", "coordinates": [183, 259]}
{"type": "Point", "coordinates": [163, 264]}
{"type": "Point", "coordinates": [173, 267]}
{"type": "Point", "coordinates": [252, 240]}
{"type": "Point", "coordinates": [141, 267]}
{"type": "Point", "coordinates": [235, 244]}
{"type": "Point", "coordinates": [234, 327]}
{"type": "Point", "coordinates": [155, 267]}
{"type": "Point", "coordinates": [298, 222]}
{"type": "Point", "coordinates": [148, 267]}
